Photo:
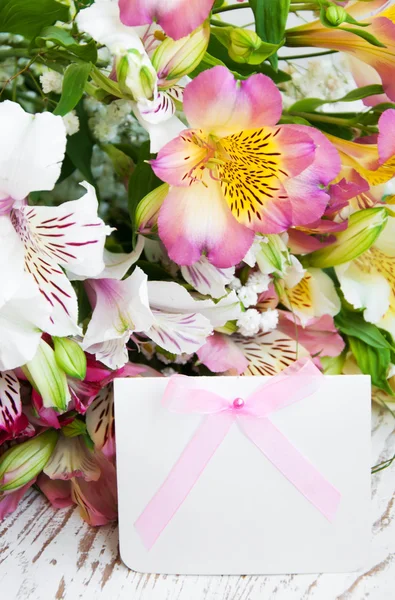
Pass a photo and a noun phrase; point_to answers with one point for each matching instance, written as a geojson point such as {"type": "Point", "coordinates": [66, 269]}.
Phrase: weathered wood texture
{"type": "Point", "coordinates": [52, 555]}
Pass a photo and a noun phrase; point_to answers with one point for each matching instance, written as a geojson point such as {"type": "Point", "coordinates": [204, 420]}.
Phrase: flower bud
{"type": "Point", "coordinates": [148, 208]}
{"type": "Point", "coordinates": [273, 255]}
{"type": "Point", "coordinates": [136, 75]}
{"type": "Point", "coordinates": [22, 463]}
{"type": "Point", "coordinates": [175, 58]}
{"type": "Point", "coordinates": [247, 47]}
{"type": "Point", "coordinates": [335, 15]}
{"type": "Point", "coordinates": [70, 357]}
{"type": "Point", "coordinates": [363, 229]}
{"type": "Point", "coordinates": [48, 378]}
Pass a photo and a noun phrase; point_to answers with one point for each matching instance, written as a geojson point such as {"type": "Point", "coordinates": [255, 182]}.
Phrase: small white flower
{"type": "Point", "coordinates": [51, 81]}
{"type": "Point", "coordinates": [249, 323]}
{"type": "Point", "coordinates": [168, 372]}
{"type": "Point", "coordinates": [268, 320]}
{"type": "Point", "coordinates": [247, 296]}
{"type": "Point", "coordinates": [235, 284]}
{"type": "Point", "coordinates": [258, 282]}
{"type": "Point", "coordinates": [71, 122]}
{"type": "Point", "coordinates": [163, 358]}
{"type": "Point", "coordinates": [182, 359]}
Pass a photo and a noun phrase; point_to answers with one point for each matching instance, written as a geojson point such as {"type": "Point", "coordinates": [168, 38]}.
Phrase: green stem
{"type": "Point", "coordinates": [307, 55]}
{"type": "Point", "coordinates": [322, 118]}
{"type": "Point", "coordinates": [230, 7]}
{"type": "Point", "coordinates": [299, 7]}
{"type": "Point", "coordinates": [218, 23]}
{"type": "Point", "coordinates": [14, 53]}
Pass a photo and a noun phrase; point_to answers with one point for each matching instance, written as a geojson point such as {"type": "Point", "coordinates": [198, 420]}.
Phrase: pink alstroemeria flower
{"type": "Point", "coordinates": [236, 172]}
{"type": "Point", "coordinates": [177, 18]}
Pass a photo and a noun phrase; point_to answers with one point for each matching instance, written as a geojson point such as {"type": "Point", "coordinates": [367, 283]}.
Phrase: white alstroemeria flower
{"type": "Point", "coordinates": [32, 148]}
{"type": "Point", "coordinates": [208, 279]}
{"type": "Point", "coordinates": [314, 296]}
{"type": "Point", "coordinates": [120, 309]}
{"type": "Point", "coordinates": [162, 311]}
{"type": "Point", "coordinates": [102, 22]}
{"type": "Point", "coordinates": [368, 281]}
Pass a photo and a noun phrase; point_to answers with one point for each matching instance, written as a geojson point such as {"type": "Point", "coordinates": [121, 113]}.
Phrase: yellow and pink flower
{"type": "Point", "coordinates": [235, 172]}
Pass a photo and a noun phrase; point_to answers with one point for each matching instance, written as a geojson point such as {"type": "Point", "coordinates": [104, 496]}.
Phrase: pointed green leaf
{"type": "Point", "coordinates": [75, 78]}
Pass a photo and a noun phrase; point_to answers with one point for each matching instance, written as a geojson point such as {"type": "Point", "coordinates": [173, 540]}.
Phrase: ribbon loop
{"type": "Point", "coordinates": [183, 395]}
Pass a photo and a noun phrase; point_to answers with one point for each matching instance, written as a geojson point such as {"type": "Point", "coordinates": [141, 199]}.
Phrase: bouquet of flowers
{"type": "Point", "coordinates": [181, 193]}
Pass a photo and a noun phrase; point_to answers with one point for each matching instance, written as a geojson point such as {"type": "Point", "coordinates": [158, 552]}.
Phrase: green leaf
{"type": "Point", "coordinates": [80, 146]}
{"type": "Point", "coordinates": [311, 104]}
{"type": "Point", "coordinates": [61, 37]}
{"type": "Point", "coordinates": [142, 181]}
{"type": "Point", "coordinates": [372, 361]}
{"type": "Point", "coordinates": [75, 78]}
{"type": "Point", "coordinates": [121, 161]}
{"type": "Point", "coordinates": [368, 37]}
{"type": "Point", "coordinates": [28, 17]}
{"type": "Point", "coordinates": [352, 323]}
{"type": "Point", "coordinates": [270, 21]}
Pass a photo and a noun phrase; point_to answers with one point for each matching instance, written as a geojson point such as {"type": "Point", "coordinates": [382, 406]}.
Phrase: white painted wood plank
{"type": "Point", "coordinates": [47, 554]}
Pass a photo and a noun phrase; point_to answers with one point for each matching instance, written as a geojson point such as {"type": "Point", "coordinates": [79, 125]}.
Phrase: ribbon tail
{"type": "Point", "coordinates": [183, 476]}
{"type": "Point", "coordinates": [292, 464]}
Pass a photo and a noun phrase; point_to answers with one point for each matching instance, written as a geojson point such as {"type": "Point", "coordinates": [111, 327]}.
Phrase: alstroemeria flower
{"type": "Point", "coordinates": [381, 25]}
{"type": "Point", "coordinates": [236, 172]}
{"type": "Point", "coordinates": [178, 18]}
{"type": "Point", "coordinates": [163, 311]}
{"type": "Point", "coordinates": [156, 113]}
{"type": "Point", "coordinates": [92, 486]}
{"type": "Point", "coordinates": [262, 354]}
{"type": "Point", "coordinates": [368, 282]}
{"type": "Point", "coordinates": [12, 420]}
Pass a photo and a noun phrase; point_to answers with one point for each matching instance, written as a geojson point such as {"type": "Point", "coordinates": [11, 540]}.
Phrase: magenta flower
{"type": "Point", "coordinates": [236, 172]}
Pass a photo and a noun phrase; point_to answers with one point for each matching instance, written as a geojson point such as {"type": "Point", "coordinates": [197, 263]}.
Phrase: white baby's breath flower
{"type": "Point", "coordinates": [268, 320]}
{"type": "Point", "coordinates": [249, 323]}
{"type": "Point", "coordinates": [235, 284]}
{"type": "Point", "coordinates": [71, 122]}
{"type": "Point", "coordinates": [247, 296]}
{"type": "Point", "coordinates": [51, 81]}
{"type": "Point", "coordinates": [258, 282]}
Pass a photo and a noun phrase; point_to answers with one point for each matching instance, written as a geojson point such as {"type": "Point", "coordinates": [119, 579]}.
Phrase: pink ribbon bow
{"type": "Point", "coordinates": [183, 396]}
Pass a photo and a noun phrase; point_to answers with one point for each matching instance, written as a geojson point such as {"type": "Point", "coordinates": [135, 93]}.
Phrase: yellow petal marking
{"type": "Point", "coordinates": [249, 169]}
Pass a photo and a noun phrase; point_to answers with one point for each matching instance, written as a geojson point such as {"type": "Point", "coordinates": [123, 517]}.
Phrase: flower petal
{"type": "Point", "coordinates": [319, 337]}
{"type": "Point", "coordinates": [364, 288]}
{"type": "Point", "coordinates": [57, 491]}
{"type": "Point", "coordinates": [32, 148]}
{"type": "Point", "coordinates": [386, 138]}
{"type": "Point", "coordinates": [178, 18]}
{"type": "Point", "coordinates": [269, 353]}
{"type": "Point", "coordinates": [9, 502]}
{"type": "Point", "coordinates": [178, 333]}
{"type": "Point", "coordinates": [102, 22]}
{"type": "Point", "coordinates": [221, 354]}
{"type": "Point", "coordinates": [21, 319]}
{"type": "Point", "coordinates": [72, 458]}
{"type": "Point", "coordinates": [313, 296]}
{"type": "Point", "coordinates": [180, 162]}
{"type": "Point", "coordinates": [307, 192]}
{"type": "Point", "coordinates": [215, 102]}
{"type": "Point", "coordinates": [160, 133]}
{"type": "Point", "coordinates": [258, 161]}
{"type": "Point", "coordinates": [11, 260]}
{"type": "Point", "coordinates": [100, 421]}
{"type": "Point", "coordinates": [208, 279]}
{"type": "Point", "coordinates": [11, 418]}
{"type": "Point", "coordinates": [196, 220]}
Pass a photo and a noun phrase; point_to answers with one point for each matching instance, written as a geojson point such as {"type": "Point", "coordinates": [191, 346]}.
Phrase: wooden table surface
{"type": "Point", "coordinates": [48, 554]}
